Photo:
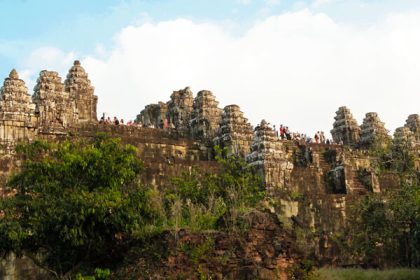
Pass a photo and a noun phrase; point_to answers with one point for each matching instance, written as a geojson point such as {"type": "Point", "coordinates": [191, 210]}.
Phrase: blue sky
{"type": "Point", "coordinates": [288, 37]}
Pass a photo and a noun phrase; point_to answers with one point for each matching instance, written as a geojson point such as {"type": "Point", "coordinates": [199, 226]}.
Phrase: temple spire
{"type": "Point", "coordinates": [13, 74]}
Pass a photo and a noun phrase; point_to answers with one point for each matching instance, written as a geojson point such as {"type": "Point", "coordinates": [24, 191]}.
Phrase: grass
{"type": "Point", "coordinates": [369, 274]}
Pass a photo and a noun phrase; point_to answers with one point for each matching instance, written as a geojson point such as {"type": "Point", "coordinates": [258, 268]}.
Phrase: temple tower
{"type": "Point", "coordinates": [346, 129]}
{"type": "Point", "coordinates": [205, 116]}
{"type": "Point", "coordinates": [235, 132]}
{"type": "Point", "coordinates": [79, 88]}
{"type": "Point", "coordinates": [17, 113]}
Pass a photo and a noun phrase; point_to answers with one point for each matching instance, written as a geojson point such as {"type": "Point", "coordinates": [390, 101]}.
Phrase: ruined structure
{"type": "Point", "coordinates": [413, 123]}
{"type": "Point", "coordinates": [346, 130]}
{"type": "Point", "coordinates": [314, 184]}
{"type": "Point", "coordinates": [268, 156]}
{"type": "Point", "coordinates": [235, 132]}
{"type": "Point", "coordinates": [371, 129]}
{"type": "Point", "coordinates": [153, 115]}
{"type": "Point", "coordinates": [17, 112]}
{"type": "Point", "coordinates": [179, 109]}
{"type": "Point", "coordinates": [78, 86]}
{"type": "Point", "coordinates": [205, 116]}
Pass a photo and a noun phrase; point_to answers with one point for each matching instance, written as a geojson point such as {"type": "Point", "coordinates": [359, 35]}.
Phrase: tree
{"type": "Point", "coordinates": [197, 200]}
{"type": "Point", "coordinates": [76, 203]}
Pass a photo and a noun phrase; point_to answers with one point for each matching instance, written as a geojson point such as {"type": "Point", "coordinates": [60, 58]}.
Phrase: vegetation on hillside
{"type": "Point", "coordinates": [80, 205]}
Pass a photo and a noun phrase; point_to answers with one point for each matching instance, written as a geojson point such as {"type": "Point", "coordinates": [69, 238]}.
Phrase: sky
{"type": "Point", "coordinates": [289, 62]}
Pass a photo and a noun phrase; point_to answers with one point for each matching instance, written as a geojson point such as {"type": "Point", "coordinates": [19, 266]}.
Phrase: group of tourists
{"type": "Point", "coordinates": [284, 133]}
{"type": "Point", "coordinates": [164, 124]}
{"type": "Point", "coordinates": [115, 121]}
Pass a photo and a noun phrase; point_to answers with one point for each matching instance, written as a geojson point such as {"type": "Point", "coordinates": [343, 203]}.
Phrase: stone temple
{"type": "Point", "coordinates": [312, 183]}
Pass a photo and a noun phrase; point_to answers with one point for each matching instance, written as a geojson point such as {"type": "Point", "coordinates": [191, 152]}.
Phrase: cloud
{"type": "Point", "coordinates": [295, 68]}
{"type": "Point", "coordinates": [318, 3]}
{"type": "Point", "coordinates": [244, 2]}
{"type": "Point", "coordinates": [45, 58]}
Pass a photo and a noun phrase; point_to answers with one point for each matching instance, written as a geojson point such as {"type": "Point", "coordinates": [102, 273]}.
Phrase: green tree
{"type": "Point", "coordinates": [76, 203]}
{"type": "Point", "coordinates": [197, 200]}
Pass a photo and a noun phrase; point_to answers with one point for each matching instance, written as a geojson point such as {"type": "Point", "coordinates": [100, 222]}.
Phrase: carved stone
{"type": "Point", "coordinates": [17, 113]}
{"type": "Point", "coordinates": [413, 123]}
{"type": "Point", "coordinates": [372, 129]}
{"type": "Point", "coordinates": [179, 109]}
{"type": "Point", "coordinates": [346, 129]}
{"type": "Point", "coordinates": [205, 117]}
{"type": "Point", "coordinates": [235, 132]}
{"type": "Point", "coordinates": [56, 109]}
{"type": "Point", "coordinates": [79, 88]}
{"type": "Point", "coordinates": [153, 114]}
{"type": "Point", "coordinates": [267, 156]}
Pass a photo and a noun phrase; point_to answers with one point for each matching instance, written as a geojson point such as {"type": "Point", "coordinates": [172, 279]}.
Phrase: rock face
{"type": "Point", "coordinates": [268, 156]}
{"type": "Point", "coordinates": [372, 129]}
{"type": "Point", "coordinates": [413, 123]}
{"type": "Point", "coordinates": [78, 86]}
{"type": "Point", "coordinates": [264, 251]}
{"type": "Point", "coordinates": [345, 128]}
{"type": "Point", "coordinates": [17, 113]}
{"type": "Point", "coordinates": [179, 109]}
{"type": "Point", "coordinates": [205, 117]}
{"type": "Point", "coordinates": [153, 114]}
{"type": "Point", "coordinates": [235, 132]}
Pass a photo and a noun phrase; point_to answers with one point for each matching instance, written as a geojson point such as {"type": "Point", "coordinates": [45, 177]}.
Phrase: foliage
{"type": "Point", "coordinates": [385, 228]}
{"type": "Point", "coordinates": [76, 203]}
{"type": "Point", "coordinates": [197, 200]}
{"type": "Point", "coordinates": [100, 274]}
{"type": "Point", "coordinates": [368, 274]}
{"type": "Point", "coordinates": [303, 270]}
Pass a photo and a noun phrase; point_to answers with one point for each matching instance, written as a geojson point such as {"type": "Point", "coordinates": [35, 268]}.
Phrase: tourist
{"type": "Point", "coordinates": [122, 122]}
{"type": "Point", "coordinates": [281, 132]}
{"type": "Point", "coordinates": [116, 121]}
{"type": "Point", "coordinates": [316, 137]}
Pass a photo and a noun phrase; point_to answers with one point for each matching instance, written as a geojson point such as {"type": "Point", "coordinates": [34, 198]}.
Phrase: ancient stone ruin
{"type": "Point", "coordinates": [17, 113]}
{"type": "Point", "coordinates": [205, 116]}
{"type": "Point", "coordinates": [346, 130]}
{"type": "Point", "coordinates": [372, 129]}
{"type": "Point", "coordinates": [313, 183]}
{"type": "Point", "coordinates": [235, 132]}
{"type": "Point", "coordinates": [179, 109]}
{"type": "Point", "coordinates": [268, 156]}
{"type": "Point", "coordinates": [413, 123]}
{"type": "Point", "coordinates": [78, 86]}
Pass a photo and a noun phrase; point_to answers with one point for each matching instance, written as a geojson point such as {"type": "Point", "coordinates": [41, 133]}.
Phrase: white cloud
{"type": "Point", "coordinates": [318, 3]}
{"type": "Point", "coordinates": [244, 2]}
{"type": "Point", "coordinates": [46, 58]}
{"type": "Point", "coordinates": [295, 68]}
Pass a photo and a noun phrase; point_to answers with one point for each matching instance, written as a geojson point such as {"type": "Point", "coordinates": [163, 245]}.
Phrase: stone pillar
{"type": "Point", "coordinates": [205, 117]}
{"type": "Point", "coordinates": [372, 129]}
{"type": "Point", "coordinates": [235, 132]}
{"type": "Point", "coordinates": [268, 156]}
{"type": "Point", "coordinates": [346, 129]}
{"type": "Point", "coordinates": [17, 113]}
{"type": "Point", "coordinates": [56, 109]}
{"type": "Point", "coordinates": [179, 109]}
{"type": "Point", "coordinates": [78, 86]}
